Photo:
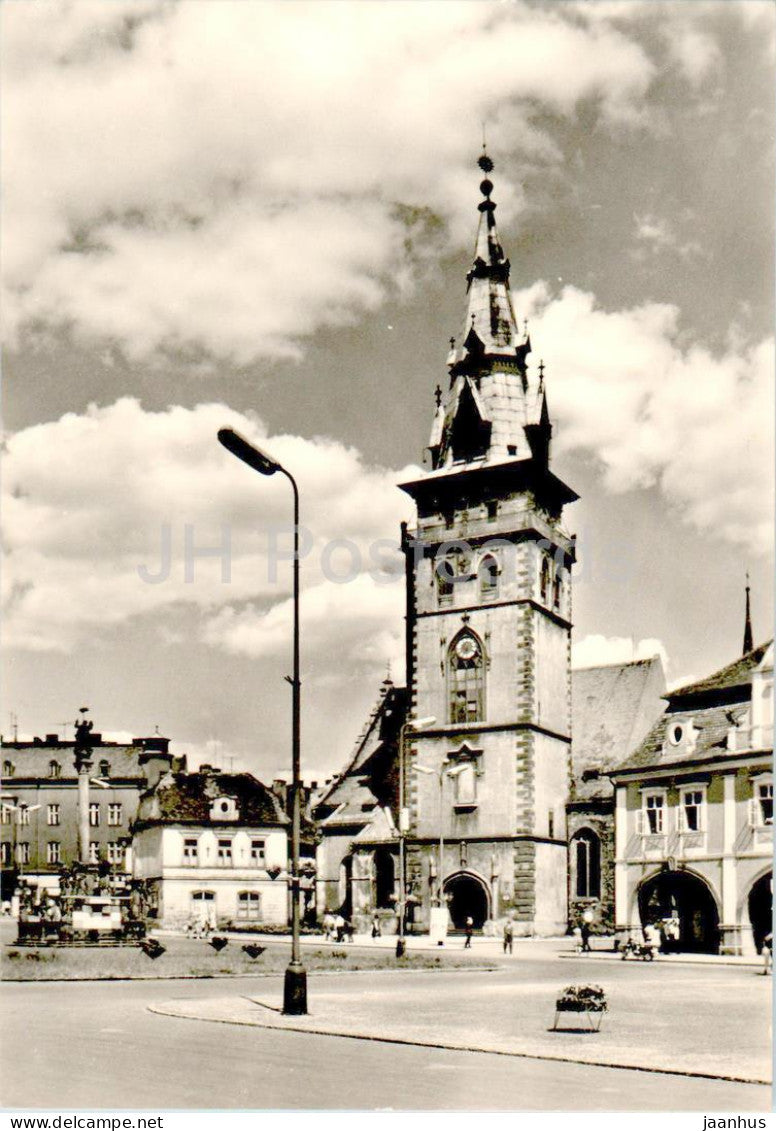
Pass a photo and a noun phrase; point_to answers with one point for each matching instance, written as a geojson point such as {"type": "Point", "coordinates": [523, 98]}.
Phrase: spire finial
{"type": "Point", "coordinates": [541, 374]}
{"type": "Point", "coordinates": [438, 394]}
{"type": "Point", "coordinates": [748, 639]}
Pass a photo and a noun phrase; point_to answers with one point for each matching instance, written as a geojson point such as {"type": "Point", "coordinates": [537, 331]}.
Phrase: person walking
{"type": "Point", "coordinates": [767, 953]}
{"type": "Point", "coordinates": [584, 931]}
{"type": "Point", "coordinates": [469, 930]}
{"type": "Point", "coordinates": [509, 935]}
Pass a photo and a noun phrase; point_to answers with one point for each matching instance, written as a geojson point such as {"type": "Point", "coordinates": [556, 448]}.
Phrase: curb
{"type": "Point", "coordinates": [161, 1011]}
{"type": "Point", "coordinates": [252, 974]}
{"type": "Point", "coordinates": [669, 961]}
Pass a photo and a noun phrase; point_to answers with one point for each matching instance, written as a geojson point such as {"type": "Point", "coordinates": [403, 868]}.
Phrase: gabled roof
{"type": "Point", "coordinates": [369, 780]}
{"type": "Point", "coordinates": [713, 725]}
{"type": "Point", "coordinates": [612, 708]}
{"type": "Point", "coordinates": [188, 798]}
{"type": "Point", "coordinates": [32, 761]}
{"type": "Point", "coordinates": [735, 675]}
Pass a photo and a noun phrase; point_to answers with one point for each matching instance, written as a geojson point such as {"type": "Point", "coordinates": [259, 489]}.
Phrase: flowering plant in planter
{"type": "Point", "coordinates": [581, 999]}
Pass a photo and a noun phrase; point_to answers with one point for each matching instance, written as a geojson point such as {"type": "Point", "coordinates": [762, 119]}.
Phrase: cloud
{"type": "Point", "coordinates": [179, 187]}
{"type": "Point", "coordinates": [596, 651]}
{"type": "Point", "coordinates": [83, 553]}
{"type": "Point", "coordinates": [627, 390]}
{"type": "Point", "coordinates": [657, 234]}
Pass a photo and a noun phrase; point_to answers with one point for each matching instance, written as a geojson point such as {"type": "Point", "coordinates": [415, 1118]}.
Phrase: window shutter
{"type": "Point", "coordinates": [681, 819]}
{"type": "Point", "coordinates": [753, 812]}
{"type": "Point", "coordinates": [640, 822]}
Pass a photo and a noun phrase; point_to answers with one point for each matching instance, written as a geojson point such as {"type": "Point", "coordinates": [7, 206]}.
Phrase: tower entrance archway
{"type": "Point", "coordinates": [683, 896]}
{"type": "Point", "coordinates": [760, 906]}
{"type": "Point", "coordinates": [468, 896]}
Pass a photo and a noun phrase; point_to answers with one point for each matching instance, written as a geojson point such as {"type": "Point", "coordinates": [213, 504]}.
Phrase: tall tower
{"type": "Point", "coordinates": [489, 628]}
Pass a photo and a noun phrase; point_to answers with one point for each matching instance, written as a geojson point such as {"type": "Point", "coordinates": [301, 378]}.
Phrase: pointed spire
{"type": "Point", "coordinates": [748, 639]}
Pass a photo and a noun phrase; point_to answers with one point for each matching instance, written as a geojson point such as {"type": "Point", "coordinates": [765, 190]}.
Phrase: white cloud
{"type": "Point", "coordinates": [76, 537]}
{"type": "Point", "coordinates": [658, 234]}
{"type": "Point", "coordinates": [177, 184]}
{"type": "Point", "coordinates": [596, 651]}
{"type": "Point", "coordinates": [652, 409]}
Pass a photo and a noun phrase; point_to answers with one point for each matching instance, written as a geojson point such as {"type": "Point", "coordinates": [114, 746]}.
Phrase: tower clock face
{"type": "Point", "coordinates": [466, 648]}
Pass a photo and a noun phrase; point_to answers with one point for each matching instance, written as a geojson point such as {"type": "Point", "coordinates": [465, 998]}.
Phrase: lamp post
{"type": "Point", "coordinates": [295, 984]}
{"type": "Point", "coordinates": [414, 725]}
{"type": "Point", "coordinates": [441, 773]}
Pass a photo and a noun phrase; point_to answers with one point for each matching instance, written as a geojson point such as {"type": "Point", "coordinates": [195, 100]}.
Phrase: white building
{"type": "Point", "coordinates": [212, 847]}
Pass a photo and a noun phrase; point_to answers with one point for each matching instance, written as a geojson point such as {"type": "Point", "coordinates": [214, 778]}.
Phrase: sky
{"type": "Point", "coordinates": [261, 215]}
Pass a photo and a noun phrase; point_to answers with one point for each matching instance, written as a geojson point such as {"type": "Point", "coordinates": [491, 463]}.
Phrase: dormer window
{"type": "Point", "coordinates": [676, 734]}
{"type": "Point", "coordinates": [104, 768]}
{"type": "Point", "coordinates": [8, 769]}
{"type": "Point", "coordinates": [55, 770]}
{"type": "Point", "coordinates": [224, 809]}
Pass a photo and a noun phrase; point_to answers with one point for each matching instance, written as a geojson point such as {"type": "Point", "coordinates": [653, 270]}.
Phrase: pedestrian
{"type": "Point", "coordinates": [376, 932]}
{"type": "Point", "coordinates": [577, 935]}
{"type": "Point", "coordinates": [339, 927]}
{"type": "Point", "coordinates": [767, 953]}
{"type": "Point", "coordinates": [469, 930]}
{"type": "Point", "coordinates": [328, 926]}
{"type": "Point", "coordinates": [509, 934]}
{"type": "Point", "coordinates": [584, 934]}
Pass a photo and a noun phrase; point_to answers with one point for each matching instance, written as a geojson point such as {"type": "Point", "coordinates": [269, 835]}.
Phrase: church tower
{"type": "Point", "coordinates": [489, 628]}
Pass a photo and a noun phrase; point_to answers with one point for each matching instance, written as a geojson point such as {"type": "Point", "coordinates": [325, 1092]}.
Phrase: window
{"type": "Point", "coordinates": [94, 852]}
{"type": "Point", "coordinates": [116, 852]}
{"type": "Point", "coordinates": [104, 768]}
{"type": "Point", "coordinates": [225, 853]}
{"type": "Point", "coordinates": [23, 853]}
{"type": "Point", "coordinates": [258, 853]}
{"type": "Point", "coordinates": [492, 510]}
{"type": "Point", "coordinates": [5, 814]}
{"type": "Point", "coordinates": [114, 813]}
{"type": "Point", "coordinates": [488, 578]}
{"type": "Point", "coordinates": [443, 573]}
{"type": "Point", "coordinates": [691, 811]}
{"type": "Point", "coordinates": [7, 769]}
{"type": "Point", "coordinates": [248, 905]}
{"type": "Point", "coordinates": [557, 589]}
{"type": "Point", "coordinates": [190, 853]}
{"type": "Point", "coordinates": [53, 852]}
{"type": "Point", "coordinates": [55, 770]}
{"type": "Point", "coordinates": [52, 815]}
{"type": "Point", "coordinates": [466, 679]}
{"type": "Point", "coordinates": [765, 802]}
{"type": "Point", "coordinates": [544, 581]}
{"type": "Point", "coordinates": [23, 815]}
{"type": "Point", "coordinates": [94, 814]}
{"type": "Point", "coordinates": [586, 861]}
{"type": "Point", "coordinates": [652, 813]}
{"type": "Point", "coordinates": [4, 853]}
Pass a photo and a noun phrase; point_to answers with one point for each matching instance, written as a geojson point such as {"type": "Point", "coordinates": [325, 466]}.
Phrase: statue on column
{"type": "Point", "coordinates": [82, 749]}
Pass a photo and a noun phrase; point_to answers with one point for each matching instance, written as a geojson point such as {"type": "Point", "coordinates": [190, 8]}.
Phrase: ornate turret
{"type": "Point", "coordinates": [494, 411]}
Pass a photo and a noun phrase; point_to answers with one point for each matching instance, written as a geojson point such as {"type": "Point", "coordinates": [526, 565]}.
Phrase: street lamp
{"type": "Point", "coordinates": [442, 772]}
{"type": "Point", "coordinates": [414, 725]}
{"type": "Point", "coordinates": [295, 984]}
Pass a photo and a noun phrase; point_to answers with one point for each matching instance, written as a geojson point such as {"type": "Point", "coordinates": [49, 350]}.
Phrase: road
{"type": "Point", "coordinates": [95, 1045]}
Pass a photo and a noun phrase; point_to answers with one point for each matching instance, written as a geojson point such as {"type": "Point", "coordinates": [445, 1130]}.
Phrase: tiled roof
{"type": "Point", "coordinates": [738, 675]}
{"type": "Point", "coordinates": [612, 708]}
{"type": "Point", "coordinates": [713, 725]}
{"type": "Point", "coordinates": [33, 761]}
{"type": "Point", "coordinates": [188, 797]}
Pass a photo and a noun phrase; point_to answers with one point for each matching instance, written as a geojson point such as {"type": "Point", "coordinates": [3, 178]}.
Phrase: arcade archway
{"type": "Point", "coordinates": [684, 896]}
{"type": "Point", "coordinates": [467, 897]}
{"type": "Point", "coordinates": [760, 906]}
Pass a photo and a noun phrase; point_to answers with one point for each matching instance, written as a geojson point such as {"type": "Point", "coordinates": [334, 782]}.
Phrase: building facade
{"type": "Point", "coordinates": [613, 707]}
{"type": "Point", "coordinates": [489, 623]}
{"type": "Point", "coordinates": [694, 813]}
{"type": "Point", "coordinates": [212, 848]}
{"type": "Point", "coordinates": [39, 815]}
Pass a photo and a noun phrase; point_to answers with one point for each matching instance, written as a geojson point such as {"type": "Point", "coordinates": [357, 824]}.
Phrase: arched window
{"type": "Point", "coordinates": [249, 905]}
{"type": "Point", "coordinates": [104, 768]}
{"type": "Point", "coordinates": [55, 770]}
{"type": "Point", "coordinates": [466, 679]}
{"type": "Point", "coordinates": [544, 581]}
{"type": "Point", "coordinates": [488, 578]}
{"type": "Point", "coordinates": [443, 573]}
{"type": "Point", "coordinates": [8, 769]}
{"type": "Point", "coordinates": [587, 864]}
{"type": "Point", "coordinates": [556, 590]}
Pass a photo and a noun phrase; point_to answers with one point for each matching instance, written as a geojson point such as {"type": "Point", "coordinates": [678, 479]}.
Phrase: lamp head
{"type": "Point", "coordinates": [254, 457]}
{"type": "Point", "coordinates": [421, 724]}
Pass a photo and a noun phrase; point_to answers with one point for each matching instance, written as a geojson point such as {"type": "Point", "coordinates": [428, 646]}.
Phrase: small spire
{"type": "Point", "coordinates": [748, 639]}
{"type": "Point", "coordinates": [438, 395]}
{"type": "Point", "coordinates": [541, 374]}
